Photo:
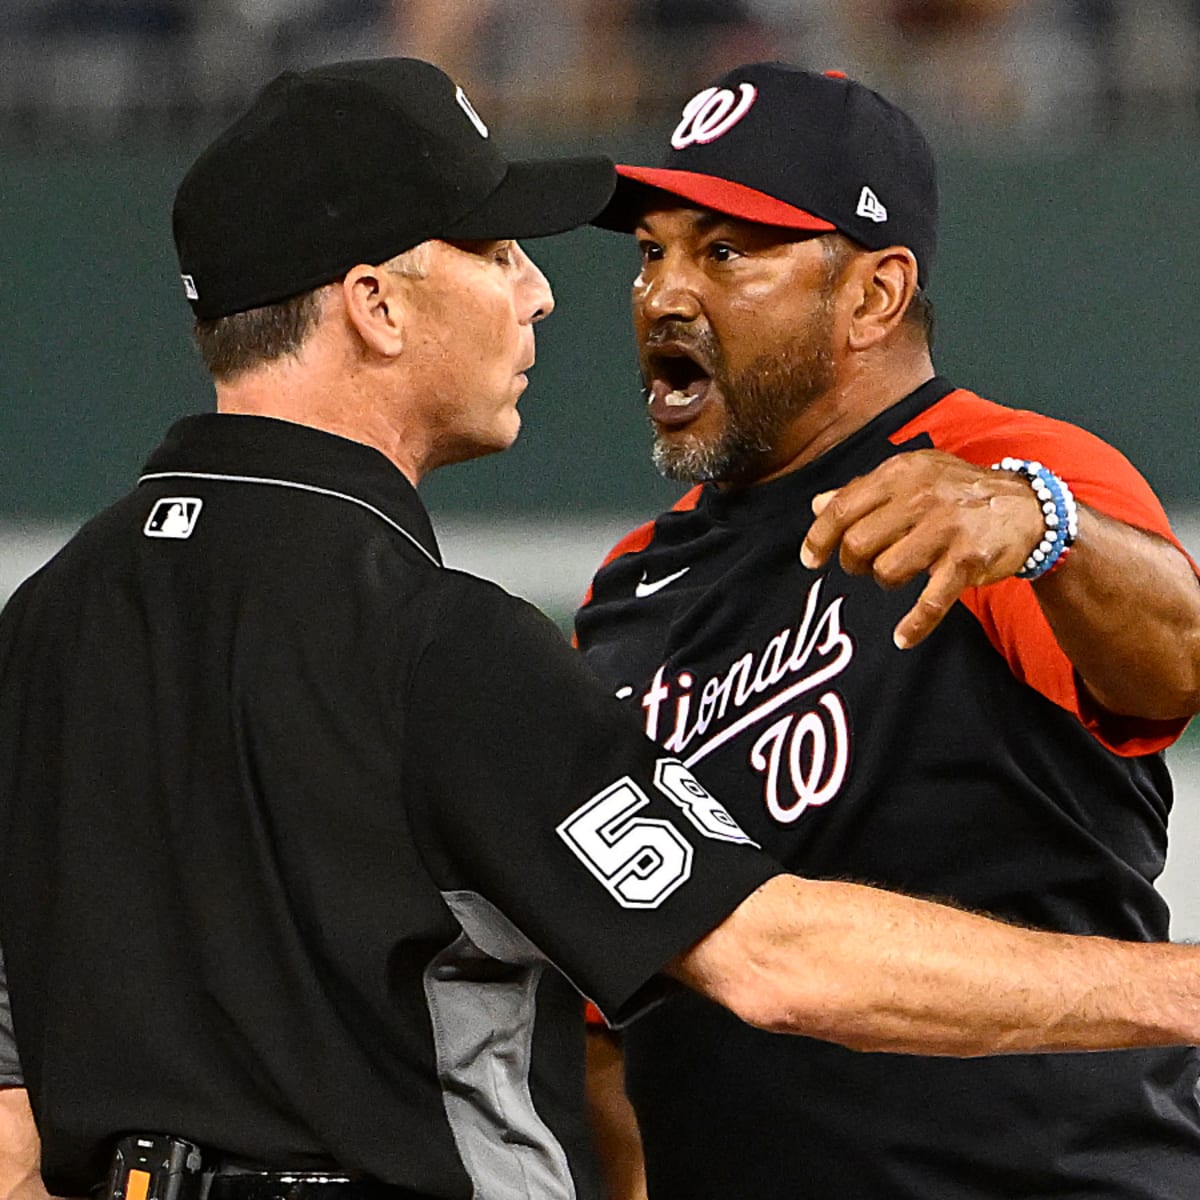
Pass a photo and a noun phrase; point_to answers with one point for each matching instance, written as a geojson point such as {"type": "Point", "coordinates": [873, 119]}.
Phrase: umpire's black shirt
{"type": "Point", "coordinates": [291, 819]}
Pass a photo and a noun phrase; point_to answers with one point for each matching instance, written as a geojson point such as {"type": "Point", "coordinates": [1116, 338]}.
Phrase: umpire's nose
{"type": "Point", "coordinates": [537, 298]}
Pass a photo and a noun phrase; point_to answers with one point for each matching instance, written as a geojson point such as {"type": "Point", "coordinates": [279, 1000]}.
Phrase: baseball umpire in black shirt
{"type": "Point", "coordinates": [297, 825]}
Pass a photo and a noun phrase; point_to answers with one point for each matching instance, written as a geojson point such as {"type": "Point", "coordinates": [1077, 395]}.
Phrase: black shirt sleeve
{"type": "Point", "coordinates": [539, 791]}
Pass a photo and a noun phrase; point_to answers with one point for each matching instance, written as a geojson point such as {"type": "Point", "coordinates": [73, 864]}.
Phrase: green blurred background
{"type": "Point", "coordinates": [1066, 281]}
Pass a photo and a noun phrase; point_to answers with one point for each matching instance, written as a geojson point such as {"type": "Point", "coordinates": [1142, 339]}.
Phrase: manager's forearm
{"type": "Point", "coordinates": [1125, 608]}
{"type": "Point", "coordinates": [874, 970]}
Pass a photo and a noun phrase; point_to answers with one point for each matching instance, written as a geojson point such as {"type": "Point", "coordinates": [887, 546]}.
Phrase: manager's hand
{"type": "Point", "coordinates": [927, 511]}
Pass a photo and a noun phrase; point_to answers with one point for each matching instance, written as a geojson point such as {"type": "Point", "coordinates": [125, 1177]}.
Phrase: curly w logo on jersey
{"type": "Point", "coordinates": [804, 753]}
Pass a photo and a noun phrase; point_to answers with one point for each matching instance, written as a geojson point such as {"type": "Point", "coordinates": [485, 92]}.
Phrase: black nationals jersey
{"type": "Point", "coordinates": [294, 822]}
{"type": "Point", "coordinates": [970, 768]}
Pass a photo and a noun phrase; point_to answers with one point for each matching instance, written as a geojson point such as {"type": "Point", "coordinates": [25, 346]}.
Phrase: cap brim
{"type": "Point", "coordinates": [540, 197]}
{"type": "Point", "coordinates": [631, 199]}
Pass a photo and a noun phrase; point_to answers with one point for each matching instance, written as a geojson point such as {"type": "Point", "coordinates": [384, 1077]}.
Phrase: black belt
{"type": "Point", "coordinates": [302, 1185]}
{"type": "Point", "coordinates": [160, 1166]}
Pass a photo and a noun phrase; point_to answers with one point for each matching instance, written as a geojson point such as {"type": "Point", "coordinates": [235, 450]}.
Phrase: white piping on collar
{"type": "Point", "coordinates": [301, 487]}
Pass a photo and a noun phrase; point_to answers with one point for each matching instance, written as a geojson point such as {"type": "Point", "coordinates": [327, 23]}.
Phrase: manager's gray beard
{"type": "Point", "coordinates": [761, 401]}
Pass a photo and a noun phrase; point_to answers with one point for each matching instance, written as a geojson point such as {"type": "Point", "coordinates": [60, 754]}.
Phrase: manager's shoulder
{"type": "Point", "coordinates": [983, 430]}
{"type": "Point", "coordinates": [643, 535]}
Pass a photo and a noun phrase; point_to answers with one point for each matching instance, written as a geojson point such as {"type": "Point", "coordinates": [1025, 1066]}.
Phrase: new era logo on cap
{"type": "Point", "coordinates": [189, 287]}
{"type": "Point", "coordinates": [869, 206]}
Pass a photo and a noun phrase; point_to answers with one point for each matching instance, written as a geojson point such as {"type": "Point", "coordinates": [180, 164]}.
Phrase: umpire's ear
{"type": "Point", "coordinates": [375, 307]}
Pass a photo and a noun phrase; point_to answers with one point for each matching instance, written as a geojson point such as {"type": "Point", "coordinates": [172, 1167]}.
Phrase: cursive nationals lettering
{"type": "Point", "coordinates": [804, 753]}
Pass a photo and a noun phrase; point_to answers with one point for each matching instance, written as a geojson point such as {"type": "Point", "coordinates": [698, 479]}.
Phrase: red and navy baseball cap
{"type": "Point", "coordinates": [356, 162]}
{"type": "Point", "coordinates": [777, 145]}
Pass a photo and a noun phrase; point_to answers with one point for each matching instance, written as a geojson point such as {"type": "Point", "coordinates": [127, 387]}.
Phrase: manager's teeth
{"type": "Point", "coordinates": [677, 399]}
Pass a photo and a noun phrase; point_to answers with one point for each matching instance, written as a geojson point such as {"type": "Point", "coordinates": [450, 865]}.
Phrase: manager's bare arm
{"type": "Point", "coordinates": [1126, 611]}
{"type": "Point", "coordinates": [878, 971]}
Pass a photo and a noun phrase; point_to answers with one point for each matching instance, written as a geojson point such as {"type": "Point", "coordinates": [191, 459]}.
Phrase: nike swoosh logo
{"type": "Point", "coordinates": [648, 589]}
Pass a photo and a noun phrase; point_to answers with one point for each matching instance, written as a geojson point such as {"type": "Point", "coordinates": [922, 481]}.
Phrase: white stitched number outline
{"type": "Point", "coordinates": [699, 805]}
{"type": "Point", "coordinates": [642, 860]}
{"type": "Point", "coordinates": [711, 113]}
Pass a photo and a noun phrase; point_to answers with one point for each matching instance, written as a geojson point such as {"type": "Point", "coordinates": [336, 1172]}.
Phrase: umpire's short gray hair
{"type": "Point", "coordinates": [240, 342]}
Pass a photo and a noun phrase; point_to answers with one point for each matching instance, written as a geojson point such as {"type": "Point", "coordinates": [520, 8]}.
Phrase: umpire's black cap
{"type": "Point", "coordinates": [355, 162]}
{"type": "Point", "coordinates": [777, 145]}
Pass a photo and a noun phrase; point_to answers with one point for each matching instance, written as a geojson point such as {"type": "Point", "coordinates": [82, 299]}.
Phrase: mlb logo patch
{"type": "Point", "coordinates": [173, 517]}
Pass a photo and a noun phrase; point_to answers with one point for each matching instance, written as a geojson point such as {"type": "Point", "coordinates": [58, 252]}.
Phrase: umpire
{"type": "Point", "coordinates": [293, 819]}
{"type": "Point", "coordinates": [263, 757]}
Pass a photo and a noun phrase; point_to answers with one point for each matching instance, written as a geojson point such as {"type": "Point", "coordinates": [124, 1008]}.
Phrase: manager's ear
{"type": "Point", "coordinates": [374, 306]}
{"type": "Point", "coordinates": [887, 281]}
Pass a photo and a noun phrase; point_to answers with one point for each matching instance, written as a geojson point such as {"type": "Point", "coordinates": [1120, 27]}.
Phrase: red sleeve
{"type": "Point", "coordinates": [982, 432]}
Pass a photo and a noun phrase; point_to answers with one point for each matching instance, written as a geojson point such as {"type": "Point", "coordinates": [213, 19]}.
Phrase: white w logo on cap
{"type": "Point", "coordinates": [711, 113]}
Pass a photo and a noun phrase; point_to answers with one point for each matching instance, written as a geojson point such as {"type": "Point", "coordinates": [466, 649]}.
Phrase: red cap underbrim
{"type": "Point", "coordinates": [725, 196]}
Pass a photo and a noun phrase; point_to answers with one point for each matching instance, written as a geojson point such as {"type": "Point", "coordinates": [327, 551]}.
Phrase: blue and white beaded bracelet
{"type": "Point", "coordinates": [1059, 515]}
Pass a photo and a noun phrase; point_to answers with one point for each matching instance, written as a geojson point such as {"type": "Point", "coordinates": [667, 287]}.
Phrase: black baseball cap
{"type": "Point", "coordinates": [355, 162]}
{"type": "Point", "coordinates": [773, 144]}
